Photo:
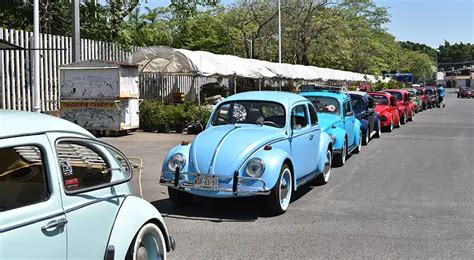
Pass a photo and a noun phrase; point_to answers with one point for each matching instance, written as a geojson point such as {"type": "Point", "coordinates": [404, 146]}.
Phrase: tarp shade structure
{"type": "Point", "coordinates": [162, 59]}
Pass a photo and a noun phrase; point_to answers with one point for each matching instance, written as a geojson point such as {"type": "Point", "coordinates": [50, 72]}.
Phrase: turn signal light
{"type": "Point", "coordinates": [184, 143]}
{"type": "Point", "coordinates": [267, 147]}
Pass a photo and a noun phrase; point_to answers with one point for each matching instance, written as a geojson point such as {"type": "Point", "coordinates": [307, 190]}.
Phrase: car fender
{"type": "Point", "coordinates": [339, 135]}
{"type": "Point", "coordinates": [273, 160]}
{"type": "Point", "coordinates": [183, 149]}
{"type": "Point", "coordinates": [364, 125]}
{"type": "Point", "coordinates": [133, 214]}
{"type": "Point", "coordinates": [324, 142]}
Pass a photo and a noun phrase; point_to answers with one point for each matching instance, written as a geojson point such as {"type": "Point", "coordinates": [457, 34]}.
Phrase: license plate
{"type": "Point", "coordinates": [206, 182]}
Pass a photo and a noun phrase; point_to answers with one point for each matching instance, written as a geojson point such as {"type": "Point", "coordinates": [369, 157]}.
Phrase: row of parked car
{"type": "Point", "coordinates": [65, 194]}
{"type": "Point", "coordinates": [272, 143]}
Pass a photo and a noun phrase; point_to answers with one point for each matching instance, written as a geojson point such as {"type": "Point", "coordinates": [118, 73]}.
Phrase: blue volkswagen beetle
{"type": "Point", "coordinates": [255, 143]}
{"type": "Point", "coordinates": [337, 118]}
{"type": "Point", "coordinates": [64, 194]}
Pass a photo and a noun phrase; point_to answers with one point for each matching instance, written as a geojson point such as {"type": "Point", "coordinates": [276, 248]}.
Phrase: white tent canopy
{"type": "Point", "coordinates": [161, 59]}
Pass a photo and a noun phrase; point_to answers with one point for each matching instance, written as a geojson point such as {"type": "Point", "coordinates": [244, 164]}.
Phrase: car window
{"type": "Point", "coordinates": [396, 95]}
{"type": "Point", "coordinates": [250, 112]}
{"type": "Point", "coordinates": [86, 166]}
{"type": "Point", "coordinates": [347, 107]}
{"type": "Point", "coordinates": [380, 99]}
{"type": "Point", "coordinates": [299, 117]}
{"type": "Point", "coordinates": [22, 177]}
{"type": "Point", "coordinates": [325, 104]}
{"type": "Point", "coordinates": [313, 115]}
{"type": "Point", "coordinates": [358, 103]}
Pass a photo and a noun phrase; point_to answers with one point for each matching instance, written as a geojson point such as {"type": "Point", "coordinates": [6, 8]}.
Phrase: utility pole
{"type": "Point", "coordinates": [279, 31]}
{"type": "Point", "coordinates": [36, 57]}
{"type": "Point", "coordinates": [76, 32]}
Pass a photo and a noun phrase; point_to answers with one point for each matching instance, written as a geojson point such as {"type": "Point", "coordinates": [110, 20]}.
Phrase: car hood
{"type": "Point", "coordinates": [327, 120]}
{"type": "Point", "coordinates": [222, 149]}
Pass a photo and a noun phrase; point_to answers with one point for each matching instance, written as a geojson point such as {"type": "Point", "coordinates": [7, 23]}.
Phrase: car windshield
{"type": "Point", "coordinates": [250, 112]}
{"type": "Point", "coordinates": [380, 99]}
{"type": "Point", "coordinates": [357, 103]}
{"type": "Point", "coordinates": [419, 92]}
{"type": "Point", "coordinates": [325, 104]}
{"type": "Point", "coordinates": [396, 95]}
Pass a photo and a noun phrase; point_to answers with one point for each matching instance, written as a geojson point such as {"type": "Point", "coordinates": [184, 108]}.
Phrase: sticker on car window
{"type": "Point", "coordinates": [71, 184]}
{"type": "Point", "coordinates": [66, 167]}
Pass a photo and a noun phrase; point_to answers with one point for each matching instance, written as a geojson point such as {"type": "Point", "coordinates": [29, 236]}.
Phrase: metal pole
{"type": "Point", "coordinates": [36, 58]}
{"type": "Point", "coordinates": [251, 48]}
{"type": "Point", "coordinates": [279, 31]}
{"type": "Point", "coordinates": [76, 32]}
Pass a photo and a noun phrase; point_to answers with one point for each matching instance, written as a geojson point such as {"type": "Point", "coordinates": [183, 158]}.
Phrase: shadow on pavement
{"type": "Point", "coordinates": [223, 210]}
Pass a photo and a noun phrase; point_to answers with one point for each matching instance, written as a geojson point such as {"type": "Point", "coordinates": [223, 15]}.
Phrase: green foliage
{"type": "Point", "coordinates": [392, 84]}
{"type": "Point", "coordinates": [419, 47]}
{"type": "Point", "coordinates": [156, 116]}
{"type": "Point", "coordinates": [455, 55]}
{"type": "Point", "coordinates": [418, 63]}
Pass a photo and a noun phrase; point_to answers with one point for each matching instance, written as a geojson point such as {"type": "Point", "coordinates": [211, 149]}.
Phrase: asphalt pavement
{"type": "Point", "coordinates": [408, 194]}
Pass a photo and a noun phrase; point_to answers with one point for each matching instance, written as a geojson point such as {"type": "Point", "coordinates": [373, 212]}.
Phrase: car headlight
{"type": "Point", "coordinates": [255, 168]}
{"type": "Point", "coordinates": [177, 160]}
{"type": "Point", "coordinates": [383, 118]}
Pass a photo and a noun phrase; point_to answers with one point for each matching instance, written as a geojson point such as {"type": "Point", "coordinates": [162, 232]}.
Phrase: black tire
{"type": "Point", "coordinates": [402, 120]}
{"type": "Point", "coordinates": [340, 159]}
{"type": "Point", "coordinates": [140, 245]}
{"type": "Point", "coordinates": [379, 129]}
{"type": "Point", "coordinates": [391, 126]}
{"type": "Point", "coordinates": [323, 178]}
{"type": "Point", "coordinates": [359, 145]}
{"type": "Point", "coordinates": [366, 139]}
{"type": "Point", "coordinates": [180, 198]}
{"type": "Point", "coordinates": [274, 202]}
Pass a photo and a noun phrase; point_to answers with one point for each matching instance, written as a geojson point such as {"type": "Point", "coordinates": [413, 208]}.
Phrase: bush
{"type": "Point", "coordinates": [156, 116]}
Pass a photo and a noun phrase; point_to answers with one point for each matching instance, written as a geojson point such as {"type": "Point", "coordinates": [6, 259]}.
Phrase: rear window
{"type": "Point", "coordinates": [380, 99]}
{"type": "Point", "coordinates": [396, 95]}
{"type": "Point", "coordinates": [358, 103]}
{"type": "Point", "coordinates": [325, 104]}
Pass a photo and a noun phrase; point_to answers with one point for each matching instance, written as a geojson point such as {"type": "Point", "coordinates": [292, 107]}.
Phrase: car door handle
{"type": "Point", "coordinates": [311, 136]}
{"type": "Point", "coordinates": [54, 224]}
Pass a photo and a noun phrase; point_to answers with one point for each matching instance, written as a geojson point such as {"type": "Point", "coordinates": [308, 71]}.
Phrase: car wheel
{"type": "Point", "coordinates": [280, 196]}
{"type": "Point", "coordinates": [323, 178]}
{"type": "Point", "coordinates": [401, 120]}
{"type": "Point", "coordinates": [179, 197]}
{"type": "Point", "coordinates": [359, 145]}
{"type": "Point", "coordinates": [366, 137]}
{"type": "Point", "coordinates": [411, 116]}
{"type": "Point", "coordinates": [340, 159]}
{"type": "Point", "coordinates": [149, 243]}
{"type": "Point", "coordinates": [398, 123]}
{"type": "Point", "coordinates": [379, 129]}
{"type": "Point", "coordinates": [390, 128]}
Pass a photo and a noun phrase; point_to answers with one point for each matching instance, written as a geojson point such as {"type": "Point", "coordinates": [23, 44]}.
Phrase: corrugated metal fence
{"type": "Point", "coordinates": [16, 90]}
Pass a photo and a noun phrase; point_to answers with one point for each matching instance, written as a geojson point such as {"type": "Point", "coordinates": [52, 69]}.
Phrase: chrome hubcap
{"type": "Point", "coordinates": [327, 166]}
{"type": "Point", "coordinates": [285, 189]}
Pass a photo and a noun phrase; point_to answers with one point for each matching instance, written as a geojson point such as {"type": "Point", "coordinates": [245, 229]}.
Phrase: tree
{"type": "Point", "coordinates": [453, 56]}
{"type": "Point", "coordinates": [420, 64]}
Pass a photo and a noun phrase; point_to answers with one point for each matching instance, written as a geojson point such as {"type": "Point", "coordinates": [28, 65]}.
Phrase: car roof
{"type": "Point", "coordinates": [339, 96]}
{"type": "Point", "coordinates": [396, 90]}
{"type": "Point", "coordinates": [19, 123]}
{"type": "Point", "coordinates": [284, 98]}
{"type": "Point", "coordinates": [380, 93]}
{"type": "Point", "coordinates": [359, 93]}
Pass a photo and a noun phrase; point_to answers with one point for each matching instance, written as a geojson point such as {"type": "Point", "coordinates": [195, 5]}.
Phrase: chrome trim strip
{"type": "Point", "coordinates": [213, 161]}
{"type": "Point", "coordinates": [57, 214]}
{"type": "Point", "coordinates": [97, 200]}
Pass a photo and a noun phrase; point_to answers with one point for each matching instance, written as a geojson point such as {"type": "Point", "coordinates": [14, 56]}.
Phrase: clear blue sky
{"type": "Point", "coordinates": [423, 21]}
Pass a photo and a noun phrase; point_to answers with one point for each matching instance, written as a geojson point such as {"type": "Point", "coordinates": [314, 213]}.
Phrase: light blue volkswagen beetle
{"type": "Point", "coordinates": [255, 143]}
{"type": "Point", "coordinates": [64, 194]}
{"type": "Point", "coordinates": [334, 108]}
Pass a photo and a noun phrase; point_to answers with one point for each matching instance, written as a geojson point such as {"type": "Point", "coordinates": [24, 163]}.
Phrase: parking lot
{"type": "Point", "coordinates": [408, 194]}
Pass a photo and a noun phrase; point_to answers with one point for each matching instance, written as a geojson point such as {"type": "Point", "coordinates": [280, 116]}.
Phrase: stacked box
{"type": "Point", "coordinates": [100, 95]}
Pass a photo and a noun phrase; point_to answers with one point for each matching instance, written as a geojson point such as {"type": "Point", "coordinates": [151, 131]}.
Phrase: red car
{"type": "Point", "coordinates": [386, 107]}
{"type": "Point", "coordinates": [420, 91]}
{"type": "Point", "coordinates": [405, 105]}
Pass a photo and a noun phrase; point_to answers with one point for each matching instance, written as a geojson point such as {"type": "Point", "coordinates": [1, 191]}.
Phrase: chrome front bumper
{"type": "Point", "coordinates": [234, 184]}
